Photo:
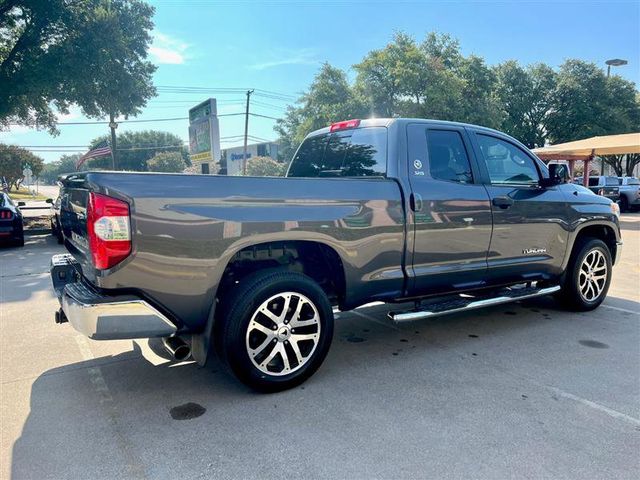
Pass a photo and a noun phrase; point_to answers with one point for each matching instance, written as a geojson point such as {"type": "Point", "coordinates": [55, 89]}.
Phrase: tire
{"type": "Point", "coordinates": [253, 343]}
{"type": "Point", "coordinates": [20, 241]}
{"type": "Point", "coordinates": [624, 204]}
{"type": "Point", "coordinates": [582, 290]}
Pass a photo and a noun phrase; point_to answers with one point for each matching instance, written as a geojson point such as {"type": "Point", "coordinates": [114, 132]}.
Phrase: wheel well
{"type": "Point", "coordinates": [601, 232]}
{"type": "Point", "coordinates": [316, 260]}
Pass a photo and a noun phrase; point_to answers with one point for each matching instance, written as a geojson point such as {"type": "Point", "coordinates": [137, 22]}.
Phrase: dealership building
{"type": "Point", "coordinates": [234, 156]}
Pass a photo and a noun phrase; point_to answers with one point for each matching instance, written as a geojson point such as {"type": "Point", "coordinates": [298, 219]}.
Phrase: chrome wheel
{"type": "Point", "coordinates": [592, 277]}
{"type": "Point", "coordinates": [283, 333]}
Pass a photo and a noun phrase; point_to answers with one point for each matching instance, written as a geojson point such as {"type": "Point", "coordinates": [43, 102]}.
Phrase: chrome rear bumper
{"type": "Point", "coordinates": [104, 317]}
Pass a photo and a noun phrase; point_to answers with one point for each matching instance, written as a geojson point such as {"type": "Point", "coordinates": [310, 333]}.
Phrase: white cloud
{"type": "Point", "coordinates": [168, 49]}
{"type": "Point", "coordinates": [288, 57]}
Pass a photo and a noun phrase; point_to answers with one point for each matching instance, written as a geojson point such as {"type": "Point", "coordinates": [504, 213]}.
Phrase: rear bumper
{"type": "Point", "coordinates": [104, 317]}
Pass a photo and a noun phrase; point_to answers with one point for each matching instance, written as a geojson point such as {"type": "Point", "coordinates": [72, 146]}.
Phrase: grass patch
{"type": "Point", "coordinates": [25, 194]}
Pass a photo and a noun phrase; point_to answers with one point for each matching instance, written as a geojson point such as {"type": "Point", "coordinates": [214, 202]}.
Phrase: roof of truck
{"type": "Point", "coordinates": [385, 122]}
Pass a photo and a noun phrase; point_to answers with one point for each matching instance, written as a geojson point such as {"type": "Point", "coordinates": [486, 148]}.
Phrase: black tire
{"type": "Point", "coordinates": [624, 204]}
{"type": "Point", "coordinates": [570, 295]}
{"type": "Point", "coordinates": [20, 241]}
{"type": "Point", "coordinates": [240, 309]}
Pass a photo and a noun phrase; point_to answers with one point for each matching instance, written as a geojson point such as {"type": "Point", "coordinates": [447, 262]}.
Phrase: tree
{"type": "Point", "coordinates": [265, 167]}
{"type": "Point", "coordinates": [525, 98]}
{"type": "Point", "coordinates": [623, 165]}
{"type": "Point", "coordinates": [329, 99]}
{"type": "Point", "coordinates": [136, 148]}
{"type": "Point", "coordinates": [66, 164]}
{"type": "Point", "coordinates": [56, 53]}
{"type": "Point", "coordinates": [13, 161]}
{"type": "Point", "coordinates": [166, 162]}
{"type": "Point", "coordinates": [586, 103]}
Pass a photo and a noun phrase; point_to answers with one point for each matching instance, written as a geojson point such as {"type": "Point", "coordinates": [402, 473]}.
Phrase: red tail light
{"type": "Point", "coordinates": [6, 215]}
{"type": "Point", "coordinates": [108, 230]}
{"type": "Point", "coordinates": [344, 125]}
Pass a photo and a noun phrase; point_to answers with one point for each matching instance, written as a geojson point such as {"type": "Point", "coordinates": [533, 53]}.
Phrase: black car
{"type": "Point", "coordinates": [11, 231]}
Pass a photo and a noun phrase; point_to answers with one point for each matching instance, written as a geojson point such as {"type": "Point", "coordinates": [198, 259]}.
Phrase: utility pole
{"type": "Point", "coordinates": [246, 134]}
{"type": "Point", "coordinates": [113, 125]}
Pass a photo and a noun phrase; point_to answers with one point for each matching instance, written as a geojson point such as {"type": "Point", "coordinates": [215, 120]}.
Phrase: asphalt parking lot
{"type": "Point", "coordinates": [518, 391]}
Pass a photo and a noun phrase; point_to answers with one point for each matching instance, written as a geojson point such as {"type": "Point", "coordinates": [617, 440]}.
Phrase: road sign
{"type": "Point", "coordinates": [204, 136]}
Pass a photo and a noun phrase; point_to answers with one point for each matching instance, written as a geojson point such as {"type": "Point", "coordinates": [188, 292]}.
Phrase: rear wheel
{"type": "Point", "coordinates": [275, 330]}
{"type": "Point", "coordinates": [588, 276]}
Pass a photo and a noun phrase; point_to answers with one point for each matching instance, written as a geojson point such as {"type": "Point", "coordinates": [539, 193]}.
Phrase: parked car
{"type": "Point", "coordinates": [11, 228]}
{"type": "Point", "coordinates": [446, 217]}
{"type": "Point", "coordinates": [56, 230]}
{"type": "Point", "coordinates": [629, 193]}
{"type": "Point", "coordinates": [605, 186]}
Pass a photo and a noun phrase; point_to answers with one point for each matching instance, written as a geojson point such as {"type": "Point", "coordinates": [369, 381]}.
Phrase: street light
{"type": "Point", "coordinates": [614, 62]}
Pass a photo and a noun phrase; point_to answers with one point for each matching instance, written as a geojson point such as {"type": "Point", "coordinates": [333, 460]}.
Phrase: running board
{"type": "Point", "coordinates": [463, 304]}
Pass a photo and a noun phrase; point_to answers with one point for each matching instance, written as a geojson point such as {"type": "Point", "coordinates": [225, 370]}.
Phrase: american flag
{"type": "Point", "coordinates": [101, 149]}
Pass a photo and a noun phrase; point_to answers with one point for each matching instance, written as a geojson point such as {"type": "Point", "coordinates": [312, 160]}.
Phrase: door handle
{"type": "Point", "coordinates": [415, 202]}
{"type": "Point", "coordinates": [502, 202]}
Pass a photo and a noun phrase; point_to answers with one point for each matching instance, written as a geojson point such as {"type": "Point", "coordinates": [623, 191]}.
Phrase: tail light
{"type": "Point", "coordinates": [108, 230]}
{"type": "Point", "coordinates": [601, 191]}
{"type": "Point", "coordinates": [6, 215]}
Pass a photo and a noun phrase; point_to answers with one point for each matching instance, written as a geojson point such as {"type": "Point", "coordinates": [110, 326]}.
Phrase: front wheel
{"type": "Point", "coordinates": [276, 329]}
{"type": "Point", "coordinates": [588, 276]}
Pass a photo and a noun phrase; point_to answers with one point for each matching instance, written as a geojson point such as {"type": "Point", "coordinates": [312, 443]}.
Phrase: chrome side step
{"type": "Point", "coordinates": [463, 304]}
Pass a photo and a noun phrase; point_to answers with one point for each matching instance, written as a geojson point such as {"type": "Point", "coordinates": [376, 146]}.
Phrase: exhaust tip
{"type": "Point", "coordinates": [177, 347]}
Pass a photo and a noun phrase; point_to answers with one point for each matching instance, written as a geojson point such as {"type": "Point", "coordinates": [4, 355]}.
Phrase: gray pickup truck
{"type": "Point", "coordinates": [433, 216]}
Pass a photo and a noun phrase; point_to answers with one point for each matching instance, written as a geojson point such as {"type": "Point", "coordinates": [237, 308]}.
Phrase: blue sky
{"type": "Point", "coordinates": [279, 46]}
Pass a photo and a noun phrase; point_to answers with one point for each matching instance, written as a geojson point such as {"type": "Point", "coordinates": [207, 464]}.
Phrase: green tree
{"type": "Point", "coordinates": [66, 164]}
{"type": "Point", "coordinates": [13, 161]}
{"type": "Point", "coordinates": [56, 53]}
{"type": "Point", "coordinates": [134, 149]}
{"type": "Point", "coordinates": [265, 167]}
{"type": "Point", "coordinates": [166, 162]}
{"type": "Point", "coordinates": [586, 103]}
{"type": "Point", "coordinates": [329, 99]}
{"type": "Point", "coordinates": [525, 97]}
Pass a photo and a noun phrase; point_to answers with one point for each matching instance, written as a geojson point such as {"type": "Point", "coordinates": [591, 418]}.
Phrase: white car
{"type": "Point", "coordinates": [629, 193]}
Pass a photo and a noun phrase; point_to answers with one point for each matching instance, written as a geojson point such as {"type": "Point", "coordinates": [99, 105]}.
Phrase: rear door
{"type": "Point", "coordinates": [450, 211]}
{"type": "Point", "coordinates": [530, 223]}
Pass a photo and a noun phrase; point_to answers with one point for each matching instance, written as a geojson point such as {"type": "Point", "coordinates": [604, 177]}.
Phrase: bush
{"type": "Point", "coordinates": [265, 167]}
{"type": "Point", "coordinates": [166, 162]}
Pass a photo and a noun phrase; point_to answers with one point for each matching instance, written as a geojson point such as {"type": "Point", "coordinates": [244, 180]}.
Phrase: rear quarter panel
{"type": "Point", "coordinates": [186, 228]}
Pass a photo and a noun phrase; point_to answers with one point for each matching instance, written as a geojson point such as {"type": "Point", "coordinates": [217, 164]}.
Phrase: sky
{"type": "Point", "coordinates": [279, 46]}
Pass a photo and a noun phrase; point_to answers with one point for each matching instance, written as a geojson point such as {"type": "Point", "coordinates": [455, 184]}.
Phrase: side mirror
{"type": "Point", "coordinates": [49, 200]}
{"type": "Point", "coordinates": [21, 204]}
{"type": "Point", "coordinates": [558, 173]}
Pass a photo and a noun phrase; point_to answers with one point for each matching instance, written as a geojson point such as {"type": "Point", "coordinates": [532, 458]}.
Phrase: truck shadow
{"type": "Point", "coordinates": [119, 416]}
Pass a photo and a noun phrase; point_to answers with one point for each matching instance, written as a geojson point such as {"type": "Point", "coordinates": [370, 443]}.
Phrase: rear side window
{"type": "Point", "coordinates": [448, 158]}
{"type": "Point", "coordinates": [593, 182]}
{"type": "Point", "coordinates": [350, 153]}
{"type": "Point", "coordinates": [506, 163]}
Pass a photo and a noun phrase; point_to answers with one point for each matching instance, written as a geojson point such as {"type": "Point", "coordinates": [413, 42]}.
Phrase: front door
{"type": "Point", "coordinates": [450, 211]}
{"type": "Point", "coordinates": [530, 229]}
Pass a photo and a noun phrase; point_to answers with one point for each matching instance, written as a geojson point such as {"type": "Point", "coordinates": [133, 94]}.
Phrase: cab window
{"type": "Point", "coordinates": [506, 163]}
{"type": "Point", "coordinates": [448, 159]}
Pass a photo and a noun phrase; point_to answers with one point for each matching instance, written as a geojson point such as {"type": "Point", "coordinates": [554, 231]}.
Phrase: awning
{"type": "Point", "coordinates": [585, 149]}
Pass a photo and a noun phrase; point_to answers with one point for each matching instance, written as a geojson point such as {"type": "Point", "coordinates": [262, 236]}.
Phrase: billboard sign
{"type": "Point", "coordinates": [204, 135]}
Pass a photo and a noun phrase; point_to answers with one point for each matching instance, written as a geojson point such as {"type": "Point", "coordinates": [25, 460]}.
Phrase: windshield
{"type": "Point", "coordinates": [349, 153]}
{"type": "Point", "coordinates": [609, 181]}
